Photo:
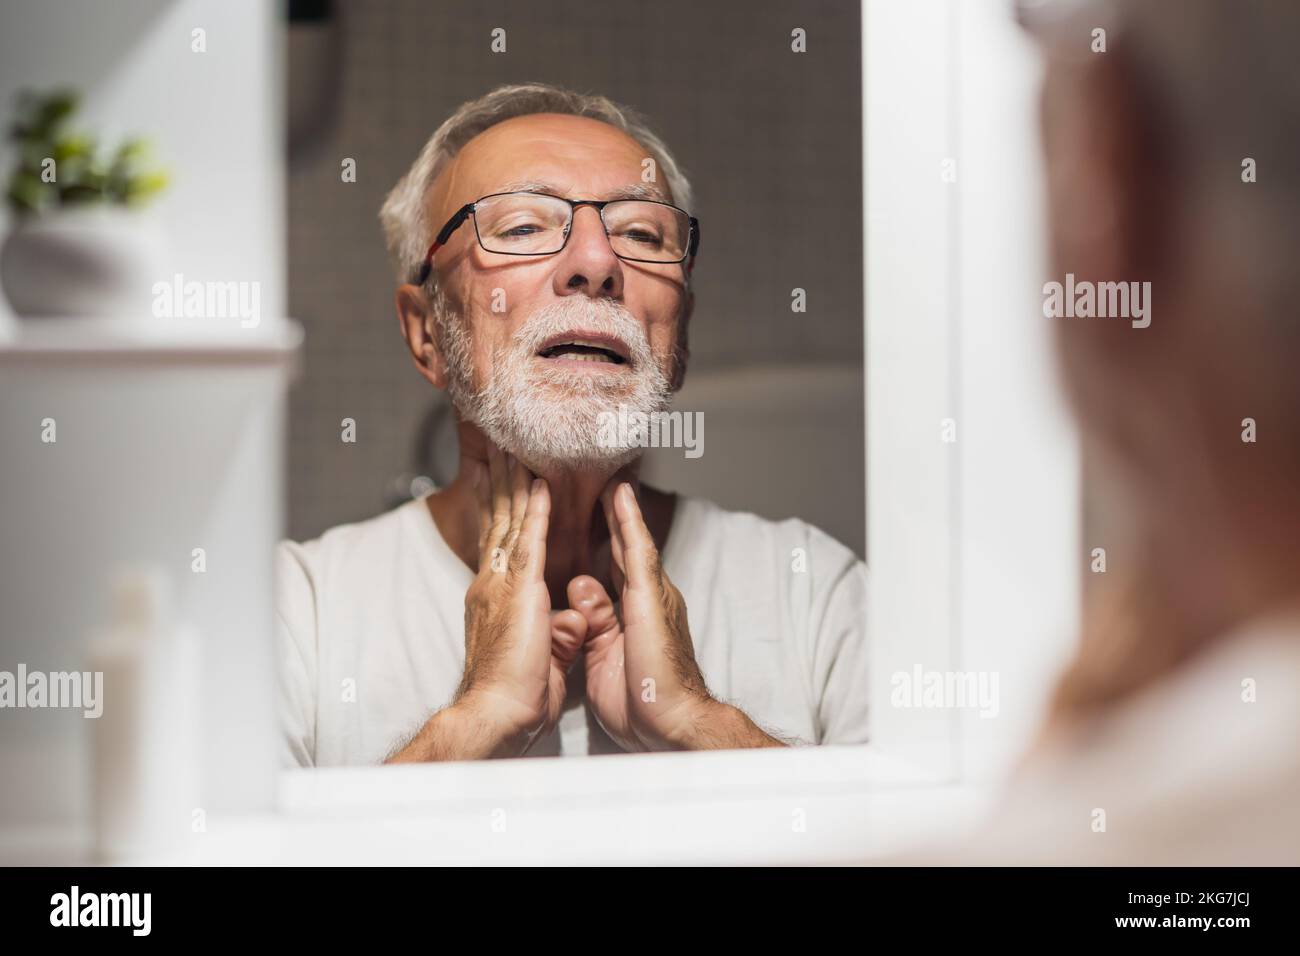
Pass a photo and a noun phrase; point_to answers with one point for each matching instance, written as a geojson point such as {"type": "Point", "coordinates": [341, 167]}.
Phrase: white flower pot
{"type": "Point", "coordinates": [91, 262]}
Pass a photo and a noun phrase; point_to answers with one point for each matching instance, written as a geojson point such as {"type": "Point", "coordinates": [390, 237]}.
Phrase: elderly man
{"type": "Point", "coordinates": [539, 603]}
{"type": "Point", "coordinates": [1162, 745]}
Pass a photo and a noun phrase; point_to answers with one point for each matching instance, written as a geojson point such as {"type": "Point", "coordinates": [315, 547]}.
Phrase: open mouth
{"type": "Point", "coordinates": [599, 349]}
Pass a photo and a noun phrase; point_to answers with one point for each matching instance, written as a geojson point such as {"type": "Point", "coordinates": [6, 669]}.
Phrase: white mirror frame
{"type": "Point", "coordinates": [973, 544]}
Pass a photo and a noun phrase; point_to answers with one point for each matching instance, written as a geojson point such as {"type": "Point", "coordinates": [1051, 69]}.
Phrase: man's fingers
{"type": "Point", "coordinates": [500, 493]}
{"type": "Point", "coordinates": [615, 537]}
{"type": "Point", "coordinates": [568, 632]}
{"type": "Point", "coordinates": [483, 496]}
{"type": "Point", "coordinates": [520, 478]}
{"type": "Point", "coordinates": [640, 556]}
{"type": "Point", "coordinates": [531, 541]}
{"type": "Point", "coordinates": [496, 462]}
{"type": "Point", "coordinates": [588, 598]}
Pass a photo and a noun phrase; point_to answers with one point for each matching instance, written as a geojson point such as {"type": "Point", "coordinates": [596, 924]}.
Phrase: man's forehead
{"type": "Point", "coordinates": [571, 156]}
{"type": "Point", "coordinates": [636, 190]}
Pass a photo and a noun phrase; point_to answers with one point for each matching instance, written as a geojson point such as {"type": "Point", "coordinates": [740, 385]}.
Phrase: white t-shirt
{"type": "Point", "coordinates": [370, 634]}
{"type": "Point", "coordinates": [1201, 768]}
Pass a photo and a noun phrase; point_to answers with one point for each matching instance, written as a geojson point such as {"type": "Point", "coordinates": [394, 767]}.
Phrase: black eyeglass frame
{"type": "Point", "coordinates": [465, 211]}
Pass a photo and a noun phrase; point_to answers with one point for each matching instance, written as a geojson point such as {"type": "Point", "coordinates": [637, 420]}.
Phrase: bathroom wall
{"type": "Point", "coordinates": [213, 118]}
{"type": "Point", "coordinates": [165, 442]}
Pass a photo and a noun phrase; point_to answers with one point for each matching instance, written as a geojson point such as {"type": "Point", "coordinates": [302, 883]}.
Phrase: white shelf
{"type": "Point", "coordinates": [54, 340]}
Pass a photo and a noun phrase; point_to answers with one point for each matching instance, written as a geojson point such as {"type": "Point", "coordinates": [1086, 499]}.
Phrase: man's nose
{"type": "Point", "coordinates": [588, 264]}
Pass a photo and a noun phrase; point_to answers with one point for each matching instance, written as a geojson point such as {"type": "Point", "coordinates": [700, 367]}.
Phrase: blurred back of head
{"type": "Point", "coordinates": [1172, 150]}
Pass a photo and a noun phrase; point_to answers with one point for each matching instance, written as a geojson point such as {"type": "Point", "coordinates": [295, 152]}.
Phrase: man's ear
{"type": "Point", "coordinates": [682, 349]}
{"type": "Point", "coordinates": [416, 322]}
{"type": "Point", "coordinates": [1106, 217]}
{"type": "Point", "coordinates": [1097, 156]}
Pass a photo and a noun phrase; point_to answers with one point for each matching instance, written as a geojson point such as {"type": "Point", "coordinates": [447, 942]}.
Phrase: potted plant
{"type": "Point", "coordinates": [76, 246]}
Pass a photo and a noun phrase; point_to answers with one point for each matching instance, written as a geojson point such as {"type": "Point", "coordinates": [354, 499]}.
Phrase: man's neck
{"type": "Point", "coordinates": [1238, 559]}
{"type": "Point", "coordinates": [578, 539]}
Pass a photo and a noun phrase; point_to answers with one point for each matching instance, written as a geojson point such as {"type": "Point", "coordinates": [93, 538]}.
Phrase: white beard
{"type": "Point", "coordinates": [549, 417]}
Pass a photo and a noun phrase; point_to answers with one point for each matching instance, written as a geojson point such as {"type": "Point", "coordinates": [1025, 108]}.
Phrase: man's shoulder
{"type": "Point", "coordinates": [355, 543]}
{"type": "Point", "coordinates": [710, 526]}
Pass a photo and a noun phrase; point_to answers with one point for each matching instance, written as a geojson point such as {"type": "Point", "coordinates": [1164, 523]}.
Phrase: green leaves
{"type": "Point", "coordinates": [58, 168]}
{"type": "Point", "coordinates": [28, 194]}
{"type": "Point", "coordinates": [40, 117]}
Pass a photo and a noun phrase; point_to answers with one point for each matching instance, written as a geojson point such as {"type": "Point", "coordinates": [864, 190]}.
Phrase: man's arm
{"type": "Point", "coordinates": [724, 727]}
{"type": "Point", "coordinates": [512, 690]}
{"type": "Point", "coordinates": [643, 681]}
{"type": "Point", "coordinates": [461, 732]}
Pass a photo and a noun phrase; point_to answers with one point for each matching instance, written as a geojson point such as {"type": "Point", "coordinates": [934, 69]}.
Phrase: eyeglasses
{"type": "Point", "coordinates": [537, 224]}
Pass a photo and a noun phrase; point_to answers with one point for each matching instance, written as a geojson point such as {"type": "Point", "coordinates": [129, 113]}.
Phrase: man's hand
{"type": "Point", "coordinates": [643, 682]}
{"type": "Point", "coordinates": [517, 652]}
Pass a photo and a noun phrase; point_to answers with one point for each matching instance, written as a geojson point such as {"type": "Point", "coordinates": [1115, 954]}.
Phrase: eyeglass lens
{"type": "Point", "coordinates": [534, 224]}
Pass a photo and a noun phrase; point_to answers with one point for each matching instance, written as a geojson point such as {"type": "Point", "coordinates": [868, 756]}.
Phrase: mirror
{"type": "Point", "coordinates": [568, 350]}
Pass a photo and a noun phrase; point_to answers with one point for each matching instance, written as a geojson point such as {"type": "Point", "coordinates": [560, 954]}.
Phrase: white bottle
{"type": "Point", "coordinates": [145, 744]}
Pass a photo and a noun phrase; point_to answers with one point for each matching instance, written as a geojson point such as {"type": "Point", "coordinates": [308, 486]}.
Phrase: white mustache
{"type": "Point", "coordinates": [600, 316]}
{"type": "Point", "coordinates": [543, 413]}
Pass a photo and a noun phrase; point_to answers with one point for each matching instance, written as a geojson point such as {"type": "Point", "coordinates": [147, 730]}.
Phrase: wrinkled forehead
{"type": "Point", "coordinates": [572, 156]}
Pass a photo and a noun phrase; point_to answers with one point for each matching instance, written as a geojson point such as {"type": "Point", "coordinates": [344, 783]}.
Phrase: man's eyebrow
{"type": "Point", "coordinates": [530, 186]}
{"type": "Point", "coordinates": [633, 191]}
{"type": "Point", "coordinates": [639, 191]}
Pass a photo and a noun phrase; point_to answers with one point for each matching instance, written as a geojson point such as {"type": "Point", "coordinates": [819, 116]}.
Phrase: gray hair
{"type": "Point", "coordinates": [1219, 84]}
{"type": "Point", "coordinates": [1218, 81]}
{"type": "Point", "coordinates": [406, 229]}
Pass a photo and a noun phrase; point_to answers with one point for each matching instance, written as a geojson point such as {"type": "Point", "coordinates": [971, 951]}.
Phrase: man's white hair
{"type": "Point", "coordinates": [406, 229]}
